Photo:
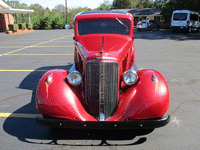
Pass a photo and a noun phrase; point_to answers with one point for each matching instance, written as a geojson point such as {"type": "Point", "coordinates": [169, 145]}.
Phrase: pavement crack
{"type": "Point", "coordinates": [14, 96]}
{"type": "Point", "coordinates": [179, 106]}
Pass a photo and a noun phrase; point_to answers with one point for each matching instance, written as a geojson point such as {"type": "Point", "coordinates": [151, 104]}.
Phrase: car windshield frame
{"type": "Point", "coordinates": [115, 26]}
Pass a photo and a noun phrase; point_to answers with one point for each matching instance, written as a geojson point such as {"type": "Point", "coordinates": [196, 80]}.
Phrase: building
{"type": "Point", "coordinates": [7, 15]}
{"type": "Point", "coordinates": [145, 13]}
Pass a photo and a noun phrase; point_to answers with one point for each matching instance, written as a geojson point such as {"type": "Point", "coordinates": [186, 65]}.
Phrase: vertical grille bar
{"type": "Point", "coordinates": [101, 87]}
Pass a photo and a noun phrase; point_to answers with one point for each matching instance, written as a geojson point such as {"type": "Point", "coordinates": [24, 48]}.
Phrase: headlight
{"type": "Point", "coordinates": [130, 77]}
{"type": "Point", "coordinates": [74, 78]}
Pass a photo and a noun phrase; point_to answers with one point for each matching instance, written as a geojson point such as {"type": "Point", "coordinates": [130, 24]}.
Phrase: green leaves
{"type": "Point", "coordinates": [13, 27]}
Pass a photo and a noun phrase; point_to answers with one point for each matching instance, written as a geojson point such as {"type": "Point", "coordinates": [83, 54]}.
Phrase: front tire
{"type": "Point", "coordinates": [189, 30]}
{"type": "Point", "coordinates": [173, 31]}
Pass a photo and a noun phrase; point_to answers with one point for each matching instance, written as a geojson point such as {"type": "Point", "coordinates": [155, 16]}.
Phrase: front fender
{"type": "Point", "coordinates": [57, 99]}
{"type": "Point", "coordinates": [148, 98]}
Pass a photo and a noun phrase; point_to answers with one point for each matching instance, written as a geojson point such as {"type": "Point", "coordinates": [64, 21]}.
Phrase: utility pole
{"type": "Point", "coordinates": [66, 11]}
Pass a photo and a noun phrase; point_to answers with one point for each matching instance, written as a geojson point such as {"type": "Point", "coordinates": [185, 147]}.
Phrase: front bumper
{"type": "Point", "coordinates": [133, 124]}
{"type": "Point", "coordinates": [179, 28]}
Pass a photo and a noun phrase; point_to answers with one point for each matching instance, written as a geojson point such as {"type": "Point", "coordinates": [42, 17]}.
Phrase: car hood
{"type": "Point", "coordinates": [104, 46]}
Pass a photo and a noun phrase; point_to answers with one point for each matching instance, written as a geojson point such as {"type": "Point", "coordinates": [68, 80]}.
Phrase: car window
{"type": "Point", "coordinates": [194, 17]}
{"type": "Point", "coordinates": [180, 16]}
{"type": "Point", "coordinates": [103, 26]}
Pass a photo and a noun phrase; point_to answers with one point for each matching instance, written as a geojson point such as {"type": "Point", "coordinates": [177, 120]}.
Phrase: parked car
{"type": "Point", "coordinates": [147, 25]}
{"type": "Point", "coordinates": [103, 89]}
{"type": "Point", "coordinates": [185, 20]}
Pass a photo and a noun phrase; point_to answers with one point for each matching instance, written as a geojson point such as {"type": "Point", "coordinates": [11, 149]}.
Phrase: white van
{"type": "Point", "coordinates": [185, 20]}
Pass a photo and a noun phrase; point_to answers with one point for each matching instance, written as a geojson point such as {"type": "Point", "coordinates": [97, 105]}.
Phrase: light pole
{"type": "Point", "coordinates": [66, 11]}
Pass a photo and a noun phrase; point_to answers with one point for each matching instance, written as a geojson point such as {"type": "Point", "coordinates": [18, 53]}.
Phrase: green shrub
{"type": "Point", "coordinates": [58, 23]}
{"type": "Point", "coordinates": [29, 26]}
{"type": "Point", "coordinates": [13, 27]}
{"type": "Point", "coordinates": [46, 22]}
{"type": "Point", "coordinates": [22, 26]}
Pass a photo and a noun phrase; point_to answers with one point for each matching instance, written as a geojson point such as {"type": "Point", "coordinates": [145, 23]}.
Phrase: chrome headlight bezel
{"type": "Point", "coordinates": [49, 78]}
{"type": "Point", "coordinates": [130, 77]}
{"type": "Point", "coordinates": [74, 78]}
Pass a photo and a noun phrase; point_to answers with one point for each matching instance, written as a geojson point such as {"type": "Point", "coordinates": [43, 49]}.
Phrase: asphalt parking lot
{"type": "Point", "coordinates": [24, 58]}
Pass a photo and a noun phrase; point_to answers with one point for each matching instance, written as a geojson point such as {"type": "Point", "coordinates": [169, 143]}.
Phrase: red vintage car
{"type": "Point", "coordinates": [103, 89]}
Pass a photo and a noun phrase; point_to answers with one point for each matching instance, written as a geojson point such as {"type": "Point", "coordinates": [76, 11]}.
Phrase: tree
{"type": "Point", "coordinates": [38, 10]}
{"type": "Point", "coordinates": [137, 4]}
{"type": "Point", "coordinates": [105, 6]}
{"type": "Point", "coordinates": [14, 4]}
{"type": "Point", "coordinates": [60, 8]}
{"type": "Point", "coordinates": [121, 4]}
{"type": "Point", "coordinates": [148, 4]}
{"type": "Point", "coordinates": [73, 12]}
{"type": "Point", "coordinates": [130, 4]}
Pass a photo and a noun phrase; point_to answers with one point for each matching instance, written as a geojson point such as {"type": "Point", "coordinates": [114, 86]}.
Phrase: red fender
{"type": "Point", "coordinates": [147, 99]}
{"type": "Point", "coordinates": [57, 99]}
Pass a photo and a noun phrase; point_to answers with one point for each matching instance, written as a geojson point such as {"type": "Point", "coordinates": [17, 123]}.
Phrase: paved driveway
{"type": "Point", "coordinates": [24, 58]}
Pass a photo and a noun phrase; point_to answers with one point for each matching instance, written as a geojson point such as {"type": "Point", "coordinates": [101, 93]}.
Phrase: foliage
{"type": "Point", "coordinates": [45, 23]}
{"type": "Point", "coordinates": [105, 6]}
{"type": "Point", "coordinates": [122, 4]}
{"type": "Point", "coordinates": [58, 23]}
{"type": "Point", "coordinates": [73, 12]}
{"type": "Point", "coordinates": [130, 4]}
{"type": "Point", "coordinates": [13, 27]}
{"type": "Point", "coordinates": [148, 4]}
{"type": "Point", "coordinates": [22, 26]}
{"type": "Point", "coordinates": [29, 25]}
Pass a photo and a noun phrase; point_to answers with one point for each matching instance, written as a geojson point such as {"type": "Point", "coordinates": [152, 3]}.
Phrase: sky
{"type": "Point", "coordinates": [70, 3]}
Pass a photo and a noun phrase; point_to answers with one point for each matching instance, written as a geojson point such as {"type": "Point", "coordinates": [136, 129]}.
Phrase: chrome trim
{"type": "Point", "coordinates": [154, 78]}
{"type": "Point", "coordinates": [49, 78]}
{"type": "Point", "coordinates": [135, 67]}
{"type": "Point", "coordinates": [102, 115]}
{"type": "Point", "coordinates": [102, 44]}
{"type": "Point", "coordinates": [132, 71]}
{"type": "Point", "coordinates": [71, 71]}
{"type": "Point", "coordinates": [73, 68]}
{"type": "Point", "coordinates": [101, 88]}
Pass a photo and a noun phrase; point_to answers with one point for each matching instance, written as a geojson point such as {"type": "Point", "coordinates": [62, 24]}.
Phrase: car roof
{"type": "Point", "coordinates": [185, 11]}
{"type": "Point", "coordinates": [103, 12]}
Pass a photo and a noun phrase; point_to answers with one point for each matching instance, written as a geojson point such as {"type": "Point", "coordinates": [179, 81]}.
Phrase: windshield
{"type": "Point", "coordinates": [104, 26]}
{"type": "Point", "coordinates": [180, 16]}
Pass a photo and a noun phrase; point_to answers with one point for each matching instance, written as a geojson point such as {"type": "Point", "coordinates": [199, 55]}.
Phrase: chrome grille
{"type": "Point", "coordinates": [101, 88]}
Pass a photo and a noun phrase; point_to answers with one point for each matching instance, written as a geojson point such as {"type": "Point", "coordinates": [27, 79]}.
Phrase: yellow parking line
{"type": "Point", "coordinates": [16, 70]}
{"type": "Point", "coordinates": [19, 42]}
{"type": "Point", "coordinates": [64, 41]}
{"type": "Point", "coordinates": [56, 46]}
{"type": "Point", "coordinates": [34, 45]}
{"type": "Point", "coordinates": [18, 115]}
{"type": "Point", "coordinates": [40, 54]}
{"type": "Point", "coordinates": [11, 46]}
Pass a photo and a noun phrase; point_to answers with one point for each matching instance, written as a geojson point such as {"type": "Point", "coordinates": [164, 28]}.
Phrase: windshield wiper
{"type": "Point", "coordinates": [121, 22]}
